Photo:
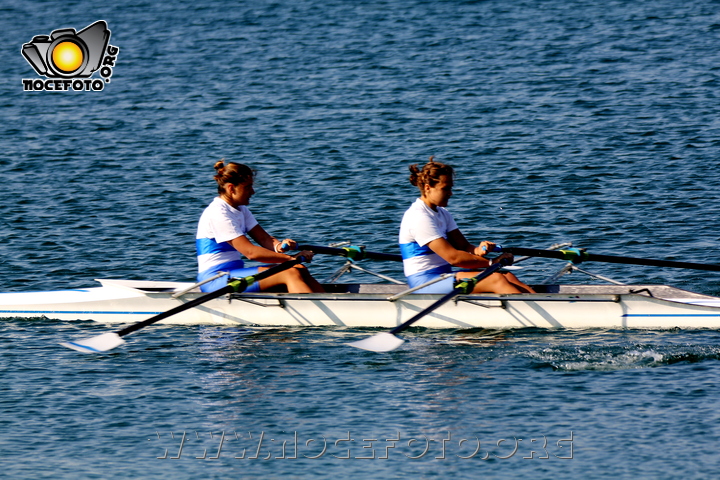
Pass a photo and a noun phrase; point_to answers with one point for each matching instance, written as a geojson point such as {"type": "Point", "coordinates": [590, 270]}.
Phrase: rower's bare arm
{"type": "Point", "coordinates": [271, 243]}
{"type": "Point", "coordinates": [256, 252]}
{"type": "Point", "coordinates": [458, 240]}
{"type": "Point", "coordinates": [263, 238]}
{"type": "Point", "coordinates": [458, 258]}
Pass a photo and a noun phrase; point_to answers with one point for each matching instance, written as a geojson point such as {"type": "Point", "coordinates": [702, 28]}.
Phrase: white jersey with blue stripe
{"type": "Point", "coordinates": [219, 224]}
{"type": "Point", "coordinates": [420, 226]}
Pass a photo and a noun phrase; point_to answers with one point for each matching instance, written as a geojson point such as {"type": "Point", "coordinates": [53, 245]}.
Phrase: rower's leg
{"type": "Point", "coordinates": [518, 283]}
{"type": "Point", "coordinates": [296, 279]}
{"type": "Point", "coordinates": [495, 283]}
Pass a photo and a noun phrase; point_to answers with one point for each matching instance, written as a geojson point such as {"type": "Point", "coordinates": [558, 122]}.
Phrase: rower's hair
{"type": "Point", "coordinates": [233, 173]}
{"type": "Point", "coordinates": [429, 174]}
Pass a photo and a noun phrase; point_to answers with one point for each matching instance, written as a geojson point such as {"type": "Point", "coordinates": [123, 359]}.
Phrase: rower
{"type": "Point", "coordinates": [222, 239]}
{"type": "Point", "coordinates": [431, 242]}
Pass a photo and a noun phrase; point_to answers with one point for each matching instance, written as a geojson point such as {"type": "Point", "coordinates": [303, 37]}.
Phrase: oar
{"type": "Point", "coordinates": [387, 341]}
{"type": "Point", "coordinates": [352, 252]}
{"type": "Point", "coordinates": [110, 340]}
{"type": "Point", "coordinates": [575, 255]}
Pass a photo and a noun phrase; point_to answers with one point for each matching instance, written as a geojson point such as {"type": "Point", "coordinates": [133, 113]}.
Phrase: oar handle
{"type": "Point", "coordinates": [352, 252]}
{"type": "Point", "coordinates": [496, 248]}
{"type": "Point", "coordinates": [234, 286]}
{"type": "Point", "coordinates": [575, 255]}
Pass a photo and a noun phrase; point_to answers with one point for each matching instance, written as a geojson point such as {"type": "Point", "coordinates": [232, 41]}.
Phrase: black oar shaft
{"type": "Point", "coordinates": [460, 289]}
{"type": "Point", "coordinates": [178, 309]}
{"type": "Point", "coordinates": [233, 287]}
{"type": "Point", "coordinates": [354, 253]}
{"type": "Point", "coordinates": [576, 256]}
{"type": "Point", "coordinates": [418, 316]}
{"type": "Point", "coordinates": [653, 263]}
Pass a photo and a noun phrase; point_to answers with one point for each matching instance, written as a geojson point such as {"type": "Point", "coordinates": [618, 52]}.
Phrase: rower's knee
{"type": "Point", "coordinates": [510, 277]}
{"type": "Point", "coordinates": [297, 273]}
{"type": "Point", "coordinates": [498, 279]}
{"type": "Point", "coordinates": [298, 270]}
{"type": "Point", "coordinates": [497, 283]}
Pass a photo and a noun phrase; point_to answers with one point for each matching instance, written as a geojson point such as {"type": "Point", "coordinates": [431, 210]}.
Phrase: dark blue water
{"type": "Point", "coordinates": [590, 122]}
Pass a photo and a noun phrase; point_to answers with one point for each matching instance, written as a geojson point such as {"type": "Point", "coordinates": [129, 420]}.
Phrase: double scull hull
{"type": "Point", "coordinates": [367, 305]}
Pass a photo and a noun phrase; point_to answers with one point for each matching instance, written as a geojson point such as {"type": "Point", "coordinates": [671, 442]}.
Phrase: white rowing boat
{"type": "Point", "coordinates": [378, 305]}
{"type": "Point", "coordinates": [389, 306]}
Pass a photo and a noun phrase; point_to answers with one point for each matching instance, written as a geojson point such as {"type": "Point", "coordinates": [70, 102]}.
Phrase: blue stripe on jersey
{"type": "Point", "coordinates": [205, 246]}
{"type": "Point", "coordinates": [419, 278]}
{"type": "Point", "coordinates": [235, 264]}
{"type": "Point", "coordinates": [412, 249]}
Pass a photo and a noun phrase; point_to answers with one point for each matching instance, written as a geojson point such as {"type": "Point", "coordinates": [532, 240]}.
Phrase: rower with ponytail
{"type": "Point", "coordinates": [224, 235]}
{"type": "Point", "coordinates": [431, 242]}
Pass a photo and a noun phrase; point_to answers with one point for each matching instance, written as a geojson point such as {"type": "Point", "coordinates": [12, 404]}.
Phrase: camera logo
{"type": "Point", "coordinates": [68, 59]}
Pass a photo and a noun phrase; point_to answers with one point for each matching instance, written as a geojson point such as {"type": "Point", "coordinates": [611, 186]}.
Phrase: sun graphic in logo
{"type": "Point", "coordinates": [67, 56]}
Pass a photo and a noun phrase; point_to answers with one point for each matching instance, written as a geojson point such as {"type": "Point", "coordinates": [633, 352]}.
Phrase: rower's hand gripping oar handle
{"type": "Point", "coordinates": [496, 248]}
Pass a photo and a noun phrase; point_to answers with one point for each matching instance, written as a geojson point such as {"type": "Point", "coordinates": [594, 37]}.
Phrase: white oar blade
{"type": "Point", "coordinates": [101, 343]}
{"type": "Point", "coordinates": [382, 342]}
